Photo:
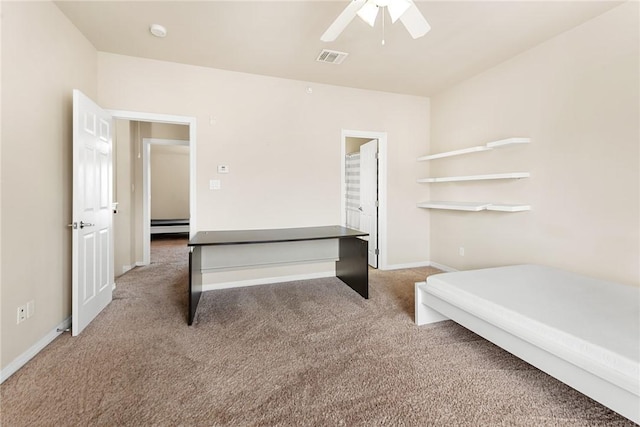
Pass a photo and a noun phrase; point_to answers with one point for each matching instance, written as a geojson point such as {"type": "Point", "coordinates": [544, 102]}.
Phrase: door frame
{"type": "Point", "coordinates": [382, 186]}
{"type": "Point", "coordinates": [146, 190]}
{"type": "Point", "coordinates": [169, 119]}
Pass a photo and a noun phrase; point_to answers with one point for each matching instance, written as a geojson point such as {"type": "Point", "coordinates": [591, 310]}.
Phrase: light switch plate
{"type": "Point", "coordinates": [223, 169]}
{"type": "Point", "coordinates": [31, 308]}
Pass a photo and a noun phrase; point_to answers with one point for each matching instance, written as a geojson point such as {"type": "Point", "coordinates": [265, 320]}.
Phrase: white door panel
{"type": "Point", "coordinates": [369, 197]}
{"type": "Point", "coordinates": [92, 243]}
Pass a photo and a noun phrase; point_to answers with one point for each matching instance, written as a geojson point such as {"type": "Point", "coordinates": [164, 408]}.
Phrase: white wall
{"type": "Point", "coordinates": [282, 144]}
{"type": "Point", "coordinates": [44, 57]}
{"type": "Point", "coordinates": [169, 181]}
{"type": "Point", "coordinates": [577, 97]}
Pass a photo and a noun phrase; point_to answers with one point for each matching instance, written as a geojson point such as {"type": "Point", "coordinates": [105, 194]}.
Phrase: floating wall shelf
{"type": "Point", "coordinates": [454, 153]}
{"type": "Point", "coordinates": [474, 206]}
{"type": "Point", "coordinates": [508, 208]}
{"type": "Point", "coordinates": [511, 175]}
{"type": "Point", "coordinates": [455, 206]}
{"type": "Point", "coordinates": [486, 147]}
{"type": "Point", "coordinates": [508, 141]}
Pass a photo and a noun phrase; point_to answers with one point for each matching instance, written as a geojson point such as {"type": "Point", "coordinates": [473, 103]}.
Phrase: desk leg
{"type": "Point", "coordinates": [353, 266]}
{"type": "Point", "coordinates": [195, 282]}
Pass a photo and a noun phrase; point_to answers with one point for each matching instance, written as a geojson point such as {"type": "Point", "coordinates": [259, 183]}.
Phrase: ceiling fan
{"type": "Point", "coordinates": [405, 10]}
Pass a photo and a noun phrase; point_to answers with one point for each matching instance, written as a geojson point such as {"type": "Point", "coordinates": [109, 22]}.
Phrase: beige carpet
{"type": "Point", "coordinates": [300, 353]}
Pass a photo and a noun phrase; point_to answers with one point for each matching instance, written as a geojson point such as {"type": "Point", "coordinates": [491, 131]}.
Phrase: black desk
{"type": "Point", "coordinates": [351, 265]}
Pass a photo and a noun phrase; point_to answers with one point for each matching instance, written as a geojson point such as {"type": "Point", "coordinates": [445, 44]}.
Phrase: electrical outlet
{"type": "Point", "coordinates": [22, 314]}
{"type": "Point", "coordinates": [31, 308]}
{"type": "Point", "coordinates": [461, 251]}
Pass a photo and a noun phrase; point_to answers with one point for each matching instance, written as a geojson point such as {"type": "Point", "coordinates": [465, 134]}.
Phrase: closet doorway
{"type": "Point", "coordinates": [363, 196]}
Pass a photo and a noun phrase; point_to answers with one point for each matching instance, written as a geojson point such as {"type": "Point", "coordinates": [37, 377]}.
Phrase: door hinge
{"type": "Point", "coordinates": [377, 251]}
{"type": "Point", "coordinates": [377, 204]}
{"type": "Point", "coordinates": [377, 155]}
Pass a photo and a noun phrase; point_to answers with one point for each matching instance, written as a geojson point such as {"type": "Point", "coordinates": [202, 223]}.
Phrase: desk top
{"type": "Point", "coordinates": [239, 237]}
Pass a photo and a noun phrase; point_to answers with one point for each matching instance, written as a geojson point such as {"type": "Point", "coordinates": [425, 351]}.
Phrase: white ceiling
{"type": "Point", "coordinates": [282, 38]}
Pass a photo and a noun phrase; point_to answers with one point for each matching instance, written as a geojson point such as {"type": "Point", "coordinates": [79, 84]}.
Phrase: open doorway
{"type": "Point", "coordinates": [136, 134]}
{"type": "Point", "coordinates": [363, 190]}
{"type": "Point", "coordinates": [165, 188]}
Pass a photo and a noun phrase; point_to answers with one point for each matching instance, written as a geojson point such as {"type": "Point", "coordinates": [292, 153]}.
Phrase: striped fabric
{"type": "Point", "coordinates": [352, 177]}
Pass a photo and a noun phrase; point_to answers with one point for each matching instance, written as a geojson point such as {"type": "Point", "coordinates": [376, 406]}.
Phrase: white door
{"type": "Point", "coordinates": [369, 197]}
{"type": "Point", "coordinates": [92, 224]}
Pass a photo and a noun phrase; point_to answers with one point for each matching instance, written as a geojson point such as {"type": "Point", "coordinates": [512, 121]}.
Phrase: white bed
{"type": "Point", "coordinates": [583, 331]}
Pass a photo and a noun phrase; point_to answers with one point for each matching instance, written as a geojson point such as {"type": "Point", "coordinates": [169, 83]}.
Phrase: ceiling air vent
{"type": "Point", "coordinates": [331, 56]}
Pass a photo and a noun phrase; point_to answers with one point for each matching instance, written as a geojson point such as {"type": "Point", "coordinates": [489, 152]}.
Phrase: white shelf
{"type": "Point", "coordinates": [454, 153]}
{"type": "Point", "coordinates": [511, 175]}
{"type": "Point", "coordinates": [508, 208]}
{"type": "Point", "coordinates": [508, 141]}
{"type": "Point", "coordinates": [456, 206]}
{"type": "Point", "coordinates": [474, 206]}
{"type": "Point", "coordinates": [488, 146]}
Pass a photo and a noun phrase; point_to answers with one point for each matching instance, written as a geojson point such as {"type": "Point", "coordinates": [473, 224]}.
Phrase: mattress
{"type": "Point", "coordinates": [593, 324]}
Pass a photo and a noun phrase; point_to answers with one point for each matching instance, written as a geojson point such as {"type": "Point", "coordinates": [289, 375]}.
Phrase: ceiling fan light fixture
{"type": "Point", "coordinates": [404, 10]}
{"type": "Point", "coordinates": [397, 8]}
{"type": "Point", "coordinates": [369, 12]}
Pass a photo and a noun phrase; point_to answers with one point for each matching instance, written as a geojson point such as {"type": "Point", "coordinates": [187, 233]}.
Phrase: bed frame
{"type": "Point", "coordinates": [582, 331]}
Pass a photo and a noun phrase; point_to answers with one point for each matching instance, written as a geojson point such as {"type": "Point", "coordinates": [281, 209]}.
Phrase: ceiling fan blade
{"type": "Point", "coordinates": [415, 22]}
{"type": "Point", "coordinates": [342, 20]}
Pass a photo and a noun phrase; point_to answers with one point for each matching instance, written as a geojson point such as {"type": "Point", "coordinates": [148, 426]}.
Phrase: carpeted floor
{"type": "Point", "coordinates": [299, 353]}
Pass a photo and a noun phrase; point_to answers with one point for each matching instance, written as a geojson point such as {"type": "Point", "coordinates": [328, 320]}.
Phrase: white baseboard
{"type": "Point", "coordinates": [319, 275]}
{"type": "Point", "coordinates": [442, 267]}
{"type": "Point", "coordinates": [266, 281]}
{"type": "Point", "coordinates": [408, 265]}
{"type": "Point", "coordinates": [22, 360]}
{"type": "Point", "coordinates": [418, 265]}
